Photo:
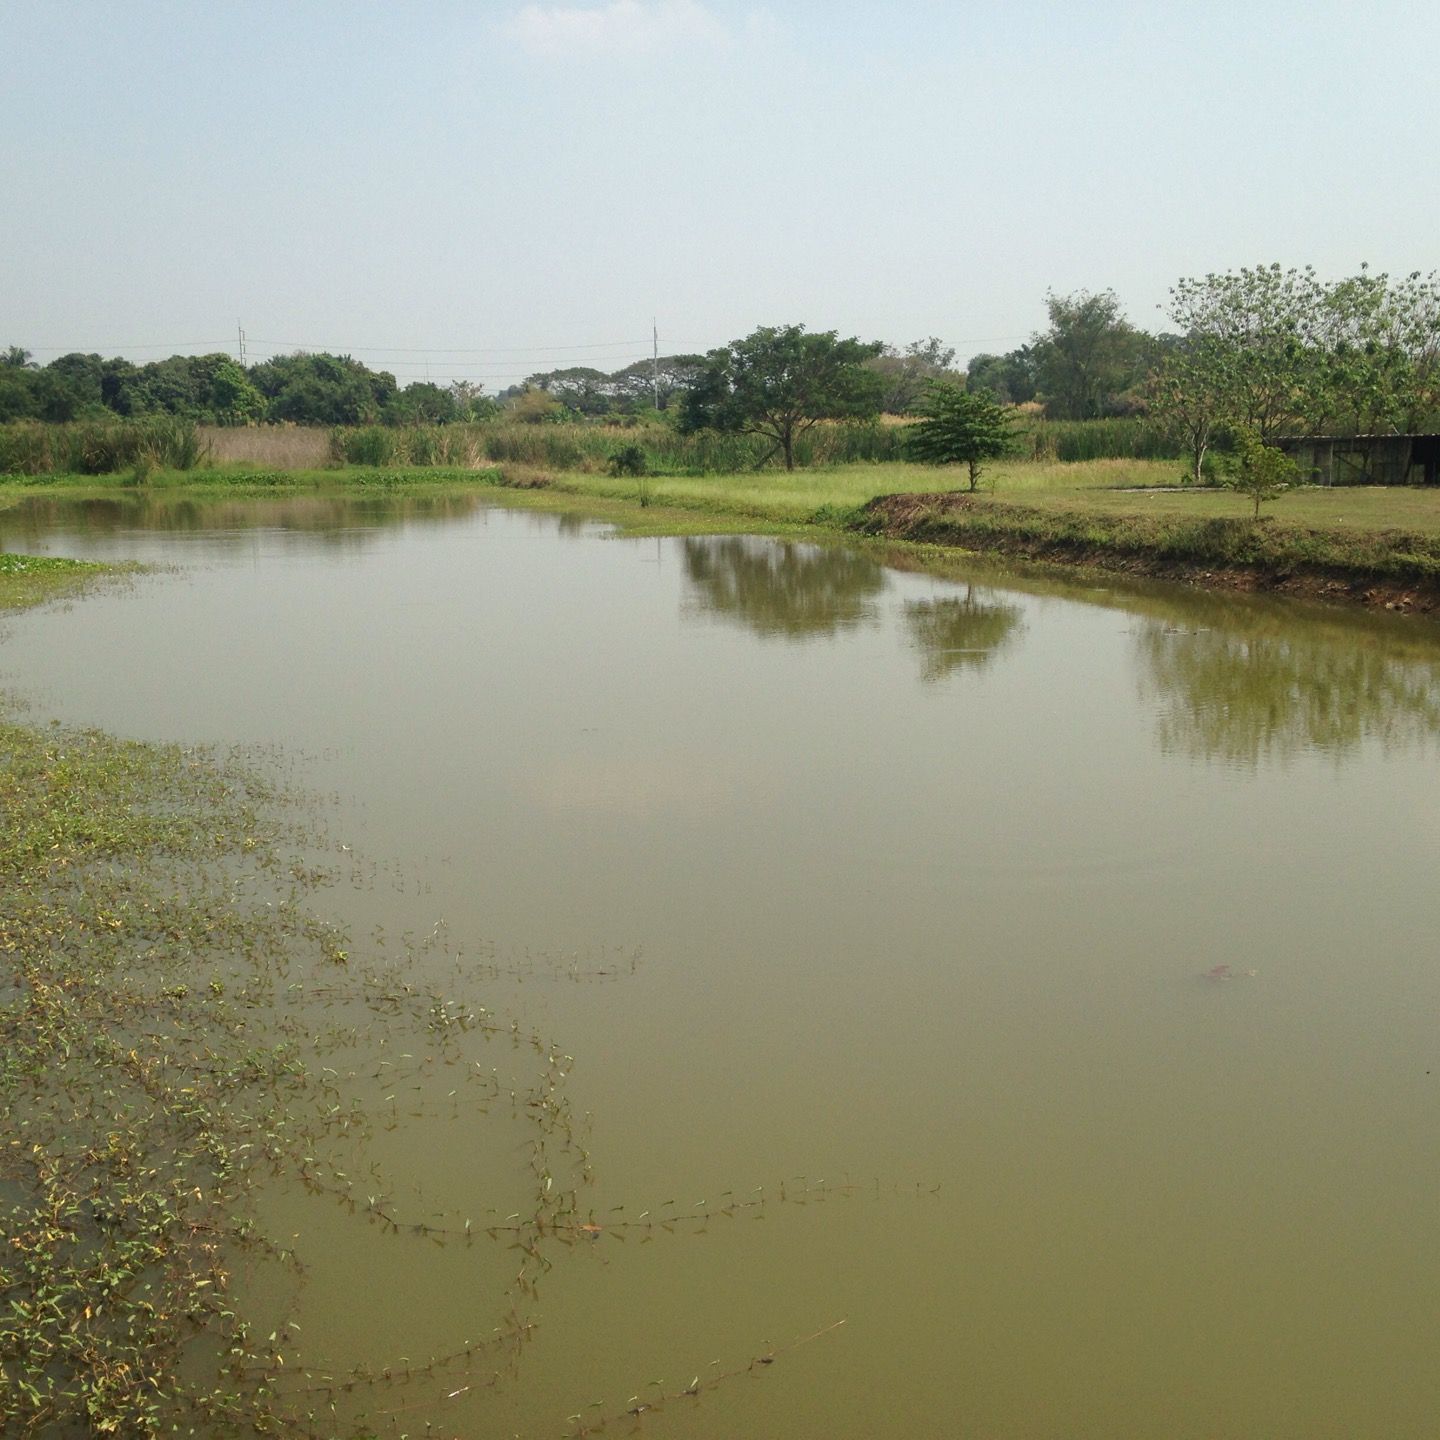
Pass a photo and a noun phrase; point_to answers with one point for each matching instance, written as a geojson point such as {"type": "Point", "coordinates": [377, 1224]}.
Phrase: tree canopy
{"type": "Point", "coordinates": [1274, 351]}
{"type": "Point", "coordinates": [1089, 357]}
{"type": "Point", "coordinates": [779, 381]}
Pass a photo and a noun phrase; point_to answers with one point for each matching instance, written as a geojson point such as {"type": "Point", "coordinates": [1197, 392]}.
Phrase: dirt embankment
{"type": "Point", "coordinates": [1390, 570]}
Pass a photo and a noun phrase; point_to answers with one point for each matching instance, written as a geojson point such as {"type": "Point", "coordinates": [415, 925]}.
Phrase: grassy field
{"type": "Point", "coordinates": [825, 493]}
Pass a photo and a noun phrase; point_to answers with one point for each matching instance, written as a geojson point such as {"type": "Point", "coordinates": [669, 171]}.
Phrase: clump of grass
{"type": "Point", "coordinates": [99, 447]}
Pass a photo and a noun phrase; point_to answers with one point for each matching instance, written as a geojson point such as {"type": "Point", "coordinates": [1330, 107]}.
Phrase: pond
{"type": "Point", "coordinates": [1039, 978]}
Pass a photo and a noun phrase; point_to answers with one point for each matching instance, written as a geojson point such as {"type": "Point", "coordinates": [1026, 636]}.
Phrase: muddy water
{"type": "Point", "coordinates": [934, 900]}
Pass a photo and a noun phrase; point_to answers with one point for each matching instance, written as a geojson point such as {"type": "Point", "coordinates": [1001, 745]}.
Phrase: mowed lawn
{"type": "Point", "coordinates": [796, 496]}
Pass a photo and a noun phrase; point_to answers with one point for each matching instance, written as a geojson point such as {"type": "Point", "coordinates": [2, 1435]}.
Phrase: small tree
{"type": "Point", "coordinates": [960, 427]}
{"type": "Point", "coordinates": [535, 407]}
{"type": "Point", "coordinates": [1258, 470]}
{"type": "Point", "coordinates": [1192, 394]}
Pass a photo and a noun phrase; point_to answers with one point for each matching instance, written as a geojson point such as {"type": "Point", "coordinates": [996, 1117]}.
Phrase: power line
{"type": "Point", "coordinates": [174, 346]}
{"type": "Point", "coordinates": [436, 350]}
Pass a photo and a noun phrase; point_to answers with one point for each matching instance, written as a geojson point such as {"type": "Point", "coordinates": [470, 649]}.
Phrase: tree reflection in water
{"type": "Point", "coordinates": [961, 632]}
{"type": "Point", "coordinates": [780, 588]}
{"type": "Point", "coordinates": [1268, 686]}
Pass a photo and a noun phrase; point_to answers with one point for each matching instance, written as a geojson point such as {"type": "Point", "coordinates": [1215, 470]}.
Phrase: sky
{"type": "Point", "coordinates": [482, 190]}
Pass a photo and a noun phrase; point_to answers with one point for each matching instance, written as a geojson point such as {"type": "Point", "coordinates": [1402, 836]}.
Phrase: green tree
{"type": "Point", "coordinates": [13, 357]}
{"type": "Point", "coordinates": [580, 388]}
{"type": "Point", "coordinates": [18, 393]}
{"type": "Point", "coordinates": [779, 381]}
{"type": "Point", "coordinates": [533, 406]}
{"type": "Point", "coordinates": [1257, 469]}
{"type": "Point", "coordinates": [1379, 370]}
{"type": "Point", "coordinates": [1089, 356]}
{"type": "Point", "coordinates": [1010, 378]}
{"type": "Point", "coordinates": [122, 387]}
{"type": "Point", "coordinates": [422, 402]}
{"type": "Point", "coordinates": [471, 402]}
{"type": "Point", "coordinates": [1254, 338]}
{"type": "Point", "coordinates": [960, 427]}
{"type": "Point", "coordinates": [658, 384]}
{"type": "Point", "coordinates": [77, 376]}
{"type": "Point", "coordinates": [230, 397]}
{"type": "Point", "coordinates": [322, 389]}
{"type": "Point", "coordinates": [1191, 394]}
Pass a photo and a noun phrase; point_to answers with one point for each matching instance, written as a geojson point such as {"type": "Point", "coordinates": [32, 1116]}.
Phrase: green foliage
{"type": "Point", "coordinates": [1010, 378]}
{"type": "Point", "coordinates": [1258, 470]}
{"type": "Point", "coordinates": [628, 461]}
{"type": "Point", "coordinates": [368, 445]}
{"type": "Point", "coordinates": [960, 427]}
{"type": "Point", "coordinates": [778, 382]}
{"type": "Point", "coordinates": [1280, 350]}
{"type": "Point", "coordinates": [99, 447]}
{"type": "Point", "coordinates": [1192, 394]}
{"type": "Point", "coordinates": [1089, 356]}
{"type": "Point", "coordinates": [1118, 438]}
{"type": "Point", "coordinates": [322, 389]}
{"type": "Point", "coordinates": [533, 406]}
{"type": "Point", "coordinates": [32, 579]}
{"type": "Point", "coordinates": [422, 403]}
{"type": "Point", "coordinates": [643, 385]}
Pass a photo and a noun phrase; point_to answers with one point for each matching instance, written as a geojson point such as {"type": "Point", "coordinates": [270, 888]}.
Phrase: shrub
{"type": "Point", "coordinates": [629, 461]}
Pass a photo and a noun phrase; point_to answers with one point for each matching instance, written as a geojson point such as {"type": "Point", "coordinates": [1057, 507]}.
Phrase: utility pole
{"type": "Point", "coordinates": [655, 360]}
{"type": "Point", "coordinates": [240, 331]}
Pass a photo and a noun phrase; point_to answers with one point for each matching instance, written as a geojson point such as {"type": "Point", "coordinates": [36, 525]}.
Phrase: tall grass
{"type": "Point", "coordinates": [589, 448]}
{"type": "Point", "coordinates": [100, 447]}
{"type": "Point", "coordinates": [1116, 439]}
{"type": "Point", "coordinates": [274, 447]}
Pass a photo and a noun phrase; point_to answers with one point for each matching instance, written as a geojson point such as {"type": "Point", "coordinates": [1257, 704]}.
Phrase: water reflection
{"type": "Point", "coordinates": [961, 632]}
{"type": "Point", "coordinates": [333, 520]}
{"type": "Point", "coordinates": [1267, 687]}
{"type": "Point", "coordinates": [779, 588]}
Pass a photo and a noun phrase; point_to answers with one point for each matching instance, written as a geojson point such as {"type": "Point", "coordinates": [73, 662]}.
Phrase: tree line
{"type": "Point", "coordinates": [325, 389]}
{"type": "Point", "coordinates": [300, 389]}
{"type": "Point", "coordinates": [1264, 348]}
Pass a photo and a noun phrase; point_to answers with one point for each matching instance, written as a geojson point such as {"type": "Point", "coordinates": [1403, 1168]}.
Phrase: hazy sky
{"type": "Point", "coordinates": [499, 180]}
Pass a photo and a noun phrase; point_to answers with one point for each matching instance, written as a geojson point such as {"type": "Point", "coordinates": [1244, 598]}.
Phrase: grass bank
{"type": "Point", "coordinates": [1396, 568]}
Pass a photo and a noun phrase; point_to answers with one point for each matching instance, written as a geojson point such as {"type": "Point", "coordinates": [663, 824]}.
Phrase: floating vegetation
{"type": "Point", "coordinates": [186, 1044]}
{"type": "Point", "coordinates": [31, 579]}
